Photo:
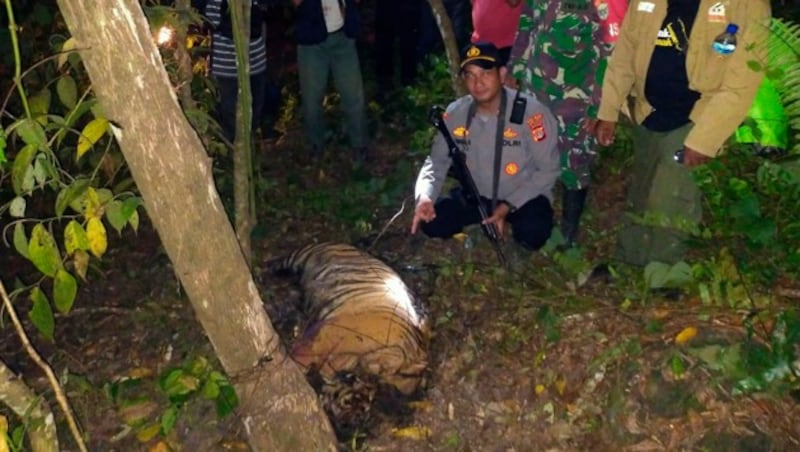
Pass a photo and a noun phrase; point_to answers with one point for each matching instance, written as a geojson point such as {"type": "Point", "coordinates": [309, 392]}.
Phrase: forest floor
{"type": "Point", "coordinates": [525, 360]}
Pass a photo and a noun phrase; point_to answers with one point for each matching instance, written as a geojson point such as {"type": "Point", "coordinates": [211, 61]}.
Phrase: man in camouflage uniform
{"type": "Point", "coordinates": [560, 55]}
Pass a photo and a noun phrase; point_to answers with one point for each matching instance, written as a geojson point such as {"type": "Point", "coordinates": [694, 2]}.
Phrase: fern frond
{"type": "Point", "coordinates": [783, 46]}
{"type": "Point", "coordinates": [783, 67]}
{"type": "Point", "coordinates": [783, 50]}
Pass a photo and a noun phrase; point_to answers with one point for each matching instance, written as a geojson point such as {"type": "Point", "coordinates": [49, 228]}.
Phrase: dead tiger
{"type": "Point", "coordinates": [362, 317]}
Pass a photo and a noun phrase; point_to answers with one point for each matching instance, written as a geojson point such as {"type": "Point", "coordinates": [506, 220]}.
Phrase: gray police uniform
{"type": "Point", "coordinates": [528, 169]}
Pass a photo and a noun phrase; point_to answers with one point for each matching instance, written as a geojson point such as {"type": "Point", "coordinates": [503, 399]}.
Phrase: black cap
{"type": "Point", "coordinates": [483, 54]}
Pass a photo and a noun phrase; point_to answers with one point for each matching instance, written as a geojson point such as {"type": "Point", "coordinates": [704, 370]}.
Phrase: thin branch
{"type": "Point", "coordinates": [388, 223]}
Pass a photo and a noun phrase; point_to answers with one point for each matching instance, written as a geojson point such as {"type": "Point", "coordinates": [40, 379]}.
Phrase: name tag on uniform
{"type": "Point", "coordinates": [647, 7]}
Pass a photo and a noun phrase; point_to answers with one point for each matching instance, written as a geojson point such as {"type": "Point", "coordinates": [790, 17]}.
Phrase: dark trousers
{"type": "Point", "coordinates": [396, 24]}
{"type": "Point", "coordinates": [531, 224]}
{"type": "Point", "coordinates": [228, 92]}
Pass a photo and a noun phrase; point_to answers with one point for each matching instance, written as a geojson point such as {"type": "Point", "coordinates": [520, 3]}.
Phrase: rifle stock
{"type": "Point", "coordinates": [464, 178]}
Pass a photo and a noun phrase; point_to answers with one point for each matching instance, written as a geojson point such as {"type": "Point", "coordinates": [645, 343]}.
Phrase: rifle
{"type": "Point", "coordinates": [461, 173]}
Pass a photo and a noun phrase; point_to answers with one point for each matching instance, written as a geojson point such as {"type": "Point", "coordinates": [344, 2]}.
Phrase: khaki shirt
{"type": "Point", "coordinates": [727, 85]}
{"type": "Point", "coordinates": [530, 162]}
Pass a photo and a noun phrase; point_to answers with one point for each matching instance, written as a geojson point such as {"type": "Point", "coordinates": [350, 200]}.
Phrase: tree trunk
{"type": "Point", "coordinates": [183, 61]}
{"type": "Point", "coordinates": [166, 158]}
{"type": "Point", "coordinates": [244, 210]}
{"type": "Point", "coordinates": [30, 408]}
{"type": "Point", "coordinates": [450, 45]}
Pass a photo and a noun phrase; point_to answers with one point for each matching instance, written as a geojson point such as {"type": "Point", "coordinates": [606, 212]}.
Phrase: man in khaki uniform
{"type": "Point", "coordinates": [688, 97]}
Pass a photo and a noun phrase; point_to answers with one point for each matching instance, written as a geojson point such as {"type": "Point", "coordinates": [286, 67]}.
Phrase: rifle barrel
{"type": "Point", "coordinates": [467, 182]}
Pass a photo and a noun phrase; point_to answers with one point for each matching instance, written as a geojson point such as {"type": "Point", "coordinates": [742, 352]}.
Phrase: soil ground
{"type": "Point", "coordinates": [522, 360]}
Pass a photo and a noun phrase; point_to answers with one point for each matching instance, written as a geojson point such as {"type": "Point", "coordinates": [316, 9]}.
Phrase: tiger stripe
{"type": "Point", "coordinates": [362, 316]}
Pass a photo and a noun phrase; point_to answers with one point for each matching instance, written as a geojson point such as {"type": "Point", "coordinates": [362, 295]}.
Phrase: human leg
{"type": "Point", "coordinates": [227, 93]}
{"type": "Point", "coordinates": [532, 223]}
{"type": "Point", "coordinates": [313, 67]}
{"type": "Point", "coordinates": [572, 204]}
{"type": "Point", "coordinates": [258, 91]}
{"type": "Point", "coordinates": [452, 215]}
{"type": "Point", "coordinates": [663, 189]}
{"type": "Point", "coordinates": [348, 81]}
{"type": "Point", "coordinates": [577, 149]}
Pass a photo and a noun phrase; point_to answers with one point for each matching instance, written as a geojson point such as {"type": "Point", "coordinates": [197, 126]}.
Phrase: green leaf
{"type": "Point", "coordinates": [17, 207]}
{"type": "Point", "coordinates": [41, 314]}
{"type": "Point", "coordinates": [65, 287]}
{"type": "Point", "coordinates": [227, 401]}
{"type": "Point", "coordinates": [134, 221]}
{"type": "Point", "coordinates": [178, 384]}
{"type": "Point", "coordinates": [21, 240]}
{"type": "Point", "coordinates": [75, 238]}
{"type": "Point", "coordinates": [774, 73]}
{"type": "Point", "coordinates": [198, 367]}
{"type": "Point", "coordinates": [32, 133]}
{"type": "Point", "coordinates": [761, 230]}
{"type": "Point", "coordinates": [67, 91]}
{"type": "Point", "coordinates": [52, 175]}
{"type": "Point", "coordinates": [725, 359]}
{"type": "Point", "coordinates": [676, 365]}
{"type": "Point", "coordinates": [679, 274]}
{"type": "Point", "coordinates": [210, 390]}
{"type": "Point", "coordinates": [3, 158]}
{"type": "Point", "coordinates": [68, 195]}
{"type": "Point", "coordinates": [746, 207]}
{"type": "Point", "coordinates": [129, 206]}
{"type": "Point", "coordinates": [655, 274]}
{"type": "Point", "coordinates": [755, 66]}
{"type": "Point", "coordinates": [40, 105]}
{"type": "Point", "coordinates": [168, 419]}
{"type": "Point", "coordinates": [40, 169]}
{"type": "Point", "coordinates": [43, 251]}
{"type": "Point", "coordinates": [115, 215]}
{"type": "Point", "coordinates": [21, 166]}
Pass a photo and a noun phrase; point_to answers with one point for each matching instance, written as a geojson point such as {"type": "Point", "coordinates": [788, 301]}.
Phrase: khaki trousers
{"type": "Point", "coordinates": [663, 200]}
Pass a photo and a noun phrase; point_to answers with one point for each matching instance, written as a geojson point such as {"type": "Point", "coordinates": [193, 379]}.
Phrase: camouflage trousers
{"type": "Point", "coordinates": [663, 200]}
{"type": "Point", "coordinates": [576, 145]}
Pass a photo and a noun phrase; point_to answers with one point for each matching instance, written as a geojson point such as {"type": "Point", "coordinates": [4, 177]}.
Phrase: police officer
{"type": "Point", "coordinates": [513, 158]}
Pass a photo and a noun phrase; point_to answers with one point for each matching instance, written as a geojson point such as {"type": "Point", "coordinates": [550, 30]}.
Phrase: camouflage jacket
{"type": "Point", "coordinates": [561, 49]}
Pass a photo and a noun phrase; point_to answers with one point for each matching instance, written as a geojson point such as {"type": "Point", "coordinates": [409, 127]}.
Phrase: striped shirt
{"type": "Point", "coordinates": [223, 51]}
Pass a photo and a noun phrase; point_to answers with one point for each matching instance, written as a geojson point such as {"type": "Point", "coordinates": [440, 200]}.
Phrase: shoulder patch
{"type": "Point", "coordinates": [536, 126]}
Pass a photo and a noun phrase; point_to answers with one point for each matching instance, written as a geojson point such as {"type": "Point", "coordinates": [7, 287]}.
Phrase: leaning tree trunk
{"type": "Point", "coordinates": [31, 408]}
{"type": "Point", "coordinates": [278, 408]}
{"type": "Point", "coordinates": [450, 45]}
